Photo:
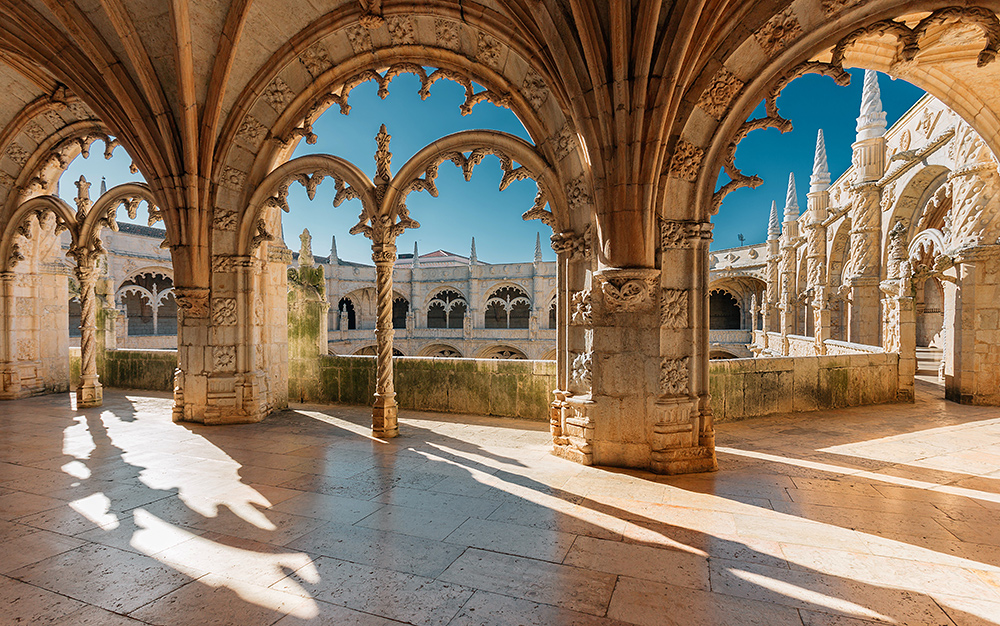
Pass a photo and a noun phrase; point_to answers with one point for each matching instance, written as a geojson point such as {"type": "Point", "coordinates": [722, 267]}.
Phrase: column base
{"type": "Point", "coordinates": [575, 427]}
{"type": "Point", "coordinates": [677, 443]}
{"type": "Point", "coordinates": [385, 424]}
{"type": "Point", "coordinates": [89, 393]}
{"type": "Point", "coordinates": [10, 384]}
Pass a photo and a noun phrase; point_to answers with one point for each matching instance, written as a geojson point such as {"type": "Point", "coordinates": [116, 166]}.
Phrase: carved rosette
{"type": "Point", "coordinates": [580, 304]}
{"type": "Point", "coordinates": [778, 32]}
{"type": "Point", "coordinates": [224, 358]}
{"type": "Point", "coordinates": [686, 161]}
{"type": "Point", "coordinates": [627, 290]}
{"type": "Point", "coordinates": [716, 98]}
{"type": "Point", "coordinates": [674, 376]}
{"type": "Point", "coordinates": [224, 311]}
{"type": "Point", "coordinates": [674, 308]}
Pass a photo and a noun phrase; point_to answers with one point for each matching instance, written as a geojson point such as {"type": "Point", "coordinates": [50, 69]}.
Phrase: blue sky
{"type": "Point", "coordinates": [478, 209]}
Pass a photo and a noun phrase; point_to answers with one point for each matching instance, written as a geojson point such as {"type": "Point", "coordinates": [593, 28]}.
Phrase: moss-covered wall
{"type": "Point", "coordinates": [478, 386]}
{"type": "Point", "coordinates": [743, 388]}
{"type": "Point", "coordinates": [130, 369]}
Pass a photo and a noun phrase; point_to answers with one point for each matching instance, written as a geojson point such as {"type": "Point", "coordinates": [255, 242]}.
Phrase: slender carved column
{"type": "Point", "coordinates": [88, 391]}
{"type": "Point", "coordinates": [787, 265]}
{"type": "Point", "coordinates": [818, 200]}
{"type": "Point", "coordinates": [769, 306]}
{"type": "Point", "coordinates": [899, 323]}
{"type": "Point", "coordinates": [571, 420]}
{"type": "Point", "coordinates": [384, 411]}
{"type": "Point", "coordinates": [10, 379]}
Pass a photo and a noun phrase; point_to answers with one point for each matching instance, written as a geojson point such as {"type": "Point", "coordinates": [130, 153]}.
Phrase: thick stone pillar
{"type": "Point", "coordinates": [194, 354]}
{"type": "Point", "coordinates": [973, 351]}
{"type": "Point", "coordinates": [10, 378]}
{"type": "Point", "coordinates": [865, 262]}
{"type": "Point", "coordinates": [89, 392]}
{"type": "Point", "coordinates": [384, 410]}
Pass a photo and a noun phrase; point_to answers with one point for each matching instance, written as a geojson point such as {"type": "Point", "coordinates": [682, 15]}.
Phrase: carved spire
{"type": "Point", "coordinates": [416, 256]}
{"type": "Point", "coordinates": [82, 196]}
{"type": "Point", "coordinates": [871, 122]}
{"type": "Point", "coordinates": [538, 247]}
{"type": "Point", "coordinates": [383, 158]}
{"type": "Point", "coordinates": [334, 260]}
{"type": "Point", "coordinates": [773, 225]}
{"type": "Point", "coordinates": [305, 252]}
{"type": "Point", "coordinates": [104, 186]}
{"type": "Point", "coordinates": [791, 200]}
{"type": "Point", "coordinates": [820, 179]}
{"type": "Point", "coordinates": [472, 254]}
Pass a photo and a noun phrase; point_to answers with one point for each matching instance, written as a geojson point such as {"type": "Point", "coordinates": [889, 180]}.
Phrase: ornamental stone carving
{"type": "Point", "coordinates": [36, 132]}
{"type": "Point", "coordinates": [225, 219]}
{"type": "Point", "coordinates": [627, 290]}
{"type": "Point", "coordinates": [361, 40]}
{"type": "Point", "coordinates": [681, 234]}
{"type": "Point", "coordinates": [224, 311]}
{"type": "Point", "coordinates": [674, 375]}
{"type": "Point", "coordinates": [192, 301]}
{"type": "Point", "coordinates": [577, 246]}
{"type": "Point", "coordinates": [833, 6]}
{"type": "Point", "coordinates": [251, 132]}
{"type": "Point", "coordinates": [26, 349]}
{"type": "Point", "coordinates": [565, 141]}
{"type": "Point", "coordinates": [400, 30]}
{"type": "Point", "coordinates": [577, 194]}
{"type": "Point", "coordinates": [686, 161]}
{"type": "Point", "coordinates": [490, 52]}
{"type": "Point", "coordinates": [233, 178]}
{"type": "Point", "coordinates": [534, 89]}
{"type": "Point", "coordinates": [580, 304]}
{"type": "Point", "coordinates": [224, 358]}
{"type": "Point", "coordinates": [674, 308]}
{"type": "Point", "coordinates": [222, 263]}
{"type": "Point", "coordinates": [581, 374]}
{"type": "Point", "coordinates": [278, 94]}
{"type": "Point", "coordinates": [778, 32]}
{"type": "Point", "coordinates": [316, 60]}
{"type": "Point", "coordinates": [17, 154]}
{"type": "Point", "coordinates": [446, 33]}
{"type": "Point", "coordinates": [716, 98]}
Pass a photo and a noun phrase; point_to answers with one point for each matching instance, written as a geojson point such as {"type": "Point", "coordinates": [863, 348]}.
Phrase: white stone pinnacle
{"type": "Point", "coordinates": [416, 256]}
{"type": "Point", "coordinates": [791, 201]}
{"type": "Point", "coordinates": [820, 179]}
{"type": "Point", "coordinates": [538, 247]}
{"type": "Point", "coordinates": [472, 253]}
{"type": "Point", "coordinates": [871, 122]}
{"type": "Point", "coordinates": [773, 226]}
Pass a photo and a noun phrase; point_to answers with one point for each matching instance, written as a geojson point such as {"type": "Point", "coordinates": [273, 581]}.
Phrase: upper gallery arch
{"type": "Point", "coordinates": [320, 65]}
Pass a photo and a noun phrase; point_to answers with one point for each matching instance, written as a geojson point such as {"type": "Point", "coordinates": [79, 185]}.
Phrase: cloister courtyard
{"type": "Point", "coordinates": [117, 515]}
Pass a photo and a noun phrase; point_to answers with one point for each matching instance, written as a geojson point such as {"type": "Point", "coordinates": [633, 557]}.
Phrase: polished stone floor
{"type": "Point", "coordinates": [118, 516]}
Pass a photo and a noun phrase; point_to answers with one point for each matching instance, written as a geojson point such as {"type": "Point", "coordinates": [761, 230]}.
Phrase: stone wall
{"type": "Point", "coordinates": [131, 369]}
{"type": "Point", "coordinates": [478, 386]}
{"type": "Point", "coordinates": [743, 388]}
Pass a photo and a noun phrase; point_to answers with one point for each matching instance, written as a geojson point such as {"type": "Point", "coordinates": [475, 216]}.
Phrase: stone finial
{"type": "Point", "coordinates": [791, 200]}
{"type": "Point", "coordinates": [538, 247]}
{"type": "Point", "coordinates": [333, 251]}
{"type": "Point", "coordinates": [82, 196]}
{"type": "Point", "coordinates": [472, 254]}
{"type": "Point", "coordinates": [305, 252]}
{"type": "Point", "coordinates": [416, 256]}
{"type": "Point", "coordinates": [820, 179]}
{"type": "Point", "coordinates": [773, 225]}
{"type": "Point", "coordinates": [383, 158]}
{"type": "Point", "coordinates": [871, 122]}
{"type": "Point", "coordinates": [104, 186]}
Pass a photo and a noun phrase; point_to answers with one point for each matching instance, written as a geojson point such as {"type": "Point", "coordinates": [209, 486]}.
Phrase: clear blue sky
{"type": "Point", "coordinates": [811, 102]}
{"type": "Point", "coordinates": [478, 209]}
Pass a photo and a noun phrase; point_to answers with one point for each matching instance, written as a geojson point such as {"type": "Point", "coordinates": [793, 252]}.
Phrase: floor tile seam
{"type": "Point", "coordinates": [363, 612]}
{"type": "Point", "coordinates": [943, 611]}
{"type": "Point", "coordinates": [160, 597]}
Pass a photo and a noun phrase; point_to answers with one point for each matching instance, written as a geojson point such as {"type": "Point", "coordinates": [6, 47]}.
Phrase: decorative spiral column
{"type": "Point", "coordinates": [384, 410]}
{"type": "Point", "coordinates": [88, 391]}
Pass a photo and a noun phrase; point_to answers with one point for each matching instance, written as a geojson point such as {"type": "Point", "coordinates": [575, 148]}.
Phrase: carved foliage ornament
{"type": "Point", "coordinates": [627, 290]}
{"type": "Point", "coordinates": [581, 369]}
{"type": "Point", "coordinates": [674, 308]}
{"type": "Point", "coordinates": [192, 301]}
{"type": "Point", "coordinates": [674, 375]}
{"type": "Point", "coordinates": [716, 98]}
{"type": "Point", "coordinates": [686, 161]}
{"type": "Point", "coordinates": [577, 246]}
{"type": "Point", "coordinates": [581, 308]}
{"type": "Point", "coordinates": [224, 311]}
{"type": "Point", "coordinates": [778, 32]}
{"type": "Point", "coordinates": [681, 234]}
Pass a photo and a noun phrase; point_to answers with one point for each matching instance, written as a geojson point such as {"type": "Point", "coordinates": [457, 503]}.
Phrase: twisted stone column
{"type": "Point", "coordinates": [384, 410]}
{"type": "Point", "coordinates": [89, 392]}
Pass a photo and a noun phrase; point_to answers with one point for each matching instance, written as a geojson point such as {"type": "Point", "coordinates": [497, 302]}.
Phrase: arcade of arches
{"type": "Point", "coordinates": [632, 108]}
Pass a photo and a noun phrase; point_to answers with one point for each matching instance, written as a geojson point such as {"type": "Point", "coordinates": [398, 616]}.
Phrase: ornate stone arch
{"type": "Point", "coordinates": [887, 38]}
{"type": "Point", "coordinates": [911, 200]}
{"type": "Point", "coordinates": [102, 213]}
{"type": "Point", "coordinates": [18, 225]}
